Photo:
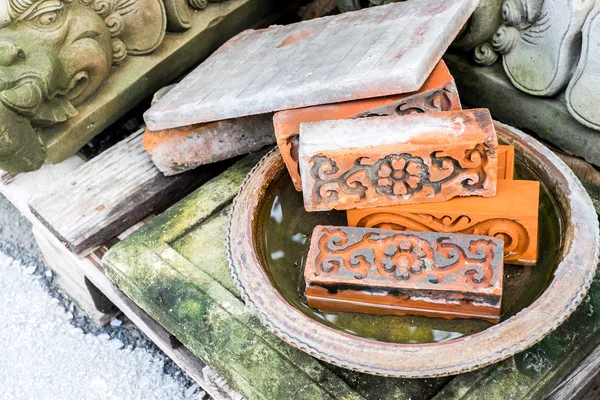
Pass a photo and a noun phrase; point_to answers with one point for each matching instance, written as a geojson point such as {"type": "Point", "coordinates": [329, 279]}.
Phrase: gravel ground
{"type": "Point", "coordinates": [53, 351]}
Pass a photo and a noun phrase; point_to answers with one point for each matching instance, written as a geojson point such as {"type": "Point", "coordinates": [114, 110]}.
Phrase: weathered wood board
{"type": "Point", "coordinates": [19, 188]}
{"type": "Point", "coordinates": [71, 280]}
{"type": "Point", "coordinates": [91, 268]}
{"type": "Point", "coordinates": [109, 194]}
{"type": "Point", "coordinates": [368, 53]}
{"type": "Point", "coordinates": [175, 268]}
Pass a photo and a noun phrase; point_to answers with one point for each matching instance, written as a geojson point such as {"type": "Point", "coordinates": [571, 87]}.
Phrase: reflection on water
{"type": "Point", "coordinates": [286, 239]}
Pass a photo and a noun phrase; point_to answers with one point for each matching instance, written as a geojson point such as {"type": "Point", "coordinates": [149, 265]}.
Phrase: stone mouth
{"type": "Point", "coordinates": [30, 96]}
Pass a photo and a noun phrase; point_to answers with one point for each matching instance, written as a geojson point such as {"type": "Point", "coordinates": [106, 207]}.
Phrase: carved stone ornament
{"type": "Point", "coordinates": [544, 46]}
{"type": "Point", "coordinates": [540, 42]}
{"type": "Point", "coordinates": [58, 55]}
{"type": "Point", "coordinates": [583, 93]}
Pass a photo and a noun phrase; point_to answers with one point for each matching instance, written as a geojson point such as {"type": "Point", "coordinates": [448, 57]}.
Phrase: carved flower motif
{"type": "Point", "coordinates": [398, 177]}
{"type": "Point", "coordinates": [403, 260]}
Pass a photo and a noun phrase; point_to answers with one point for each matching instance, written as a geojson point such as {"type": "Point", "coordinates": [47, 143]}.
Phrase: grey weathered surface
{"type": "Point", "coordinates": [372, 52]}
{"type": "Point", "coordinates": [547, 117]}
{"type": "Point", "coordinates": [539, 56]}
{"type": "Point", "coordinates": [20, 188]}
{"type": "Point", "coordinates": [109, 194]}
{"type": "Point", "coordinates": [178, 150]}
{"type": "Point", "coordinates": [583, 93]}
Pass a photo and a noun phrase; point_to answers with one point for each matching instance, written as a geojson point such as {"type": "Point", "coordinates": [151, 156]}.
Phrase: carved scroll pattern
{"type": "Point", "coordinates": [405, 257]}
{"type": "Point", "coordinates": [432, 101]}
{"type": "Point", "coordinates": [436, 101]}
{"type": "Point", "coordinates": [515, 235]}
{"type": "Point", "coordinates": [398, 175]}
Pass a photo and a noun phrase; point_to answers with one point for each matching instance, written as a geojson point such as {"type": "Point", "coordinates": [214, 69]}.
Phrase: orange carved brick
{"type": "Point", "coordinates": [383, 161]}
{"type": "Point", "coordinates": [178, 150]}
{"type": "Point", "coordinates": [438, 93]}
{"type": "Point", "coordinates": [506, 162]}
{"type": "Point", "coordinates": [387, 272]}
{"type": "Point", "coordinates": [512, 216]}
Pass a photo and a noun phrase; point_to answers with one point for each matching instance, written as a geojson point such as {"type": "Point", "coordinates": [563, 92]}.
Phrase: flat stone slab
{"type": "Point", "coordinates": [368, 53]}
{"type": "Point", "coordinates": [387, 272]}
{"type": "Point", "coordinates": [384, 161]}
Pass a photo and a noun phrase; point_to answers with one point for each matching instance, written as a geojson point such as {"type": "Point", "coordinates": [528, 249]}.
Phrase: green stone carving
{"type": "Point", "coordinates": [62, 62]}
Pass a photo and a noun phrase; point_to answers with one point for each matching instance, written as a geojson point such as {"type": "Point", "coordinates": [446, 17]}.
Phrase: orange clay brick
{"type": "Point", "coordinates": [437, 94]}
{"type": "Point", "coordinates": [384, 161]}
{"type": "Point", "coordinates": [512, 215]}
{"type": "Point", "coordinates": [506, 162]}
{"type": "Point", "coordinates": [376, 271]}
{"type": "Point", "coordinates": [177, 150]}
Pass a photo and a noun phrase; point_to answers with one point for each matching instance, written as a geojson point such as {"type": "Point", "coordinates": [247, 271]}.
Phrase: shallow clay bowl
{"type": "Point", "coordinates": [267, 242]}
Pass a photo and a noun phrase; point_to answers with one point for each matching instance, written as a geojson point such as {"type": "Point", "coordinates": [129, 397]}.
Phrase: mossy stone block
{"type": "Point", "coordinates": [175, 268]}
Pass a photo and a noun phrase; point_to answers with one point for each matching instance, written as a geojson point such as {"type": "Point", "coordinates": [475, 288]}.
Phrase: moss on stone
{"type": "Point", "coordinates": [176, 270]}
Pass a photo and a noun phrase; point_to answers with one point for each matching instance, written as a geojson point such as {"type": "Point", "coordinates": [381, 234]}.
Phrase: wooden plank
{"type": "Point", "coordinates": [71, 280]}
{"type": "Point", "coordinates": [372, 52]}
{"type": "Point", "coordinates": [110, 193]}
{"type": "Point", "coordinates": [92, 269]}
{"type": "Point", "coordinates": [583, 382]}
{"type": "Point", "coordinates": [20, 188]}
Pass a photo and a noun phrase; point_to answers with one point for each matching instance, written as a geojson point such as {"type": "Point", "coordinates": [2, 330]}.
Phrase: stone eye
{"type": "Point", "coordinates": [46, 13]}
{"type": "Point", "coordinates": [47, 19]}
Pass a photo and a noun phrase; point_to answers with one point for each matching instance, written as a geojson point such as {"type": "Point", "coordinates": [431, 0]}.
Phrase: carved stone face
{"type": "Point", "coordinates": [56, 54]}
{"type": "Point", "coordinates": [53, 56]}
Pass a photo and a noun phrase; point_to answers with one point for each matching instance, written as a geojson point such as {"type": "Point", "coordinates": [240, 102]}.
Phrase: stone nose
{"type": "Point", "coordinates": [9, 53]}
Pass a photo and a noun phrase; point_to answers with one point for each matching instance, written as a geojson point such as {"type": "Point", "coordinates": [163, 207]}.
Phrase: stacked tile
{"type": "Point", "coordinates": [512, 215]}
{"type": "Point", "coordinates": [224, 107]}
{"type": "Point", "coordinates": [385, 161]}
{"type": "Point", "coordinates": [368, 120]}
{"type": "Point", "coordinates": [440, 171]}
{"type": "Point", "coordinates": [438, 93]}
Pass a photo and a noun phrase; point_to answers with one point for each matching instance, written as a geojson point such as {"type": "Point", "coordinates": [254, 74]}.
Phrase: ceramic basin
{"type": "Point", "coordinates": [267, 242]}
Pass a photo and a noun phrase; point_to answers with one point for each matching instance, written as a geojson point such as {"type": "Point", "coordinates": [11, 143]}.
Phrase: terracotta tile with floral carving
{"type": "Point", "coordinates": [383, 161]}
{"type": "Point", "coordinates": [438, 93]}
{"type": "Point", "coordinates": [388, 272]}
{"type": "Point", "coordinates": [511, 215]}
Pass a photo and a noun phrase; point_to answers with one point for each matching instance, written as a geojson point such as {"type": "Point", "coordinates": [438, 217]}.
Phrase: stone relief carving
{"type": "Point", "coordinates": [583, 93]}
{"type": "Point", "coordinates": [544, 46]}
{"type": "Point", "coordinates": [56, 54]}
{"type": "Point", "coordinates": [540, 42]}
